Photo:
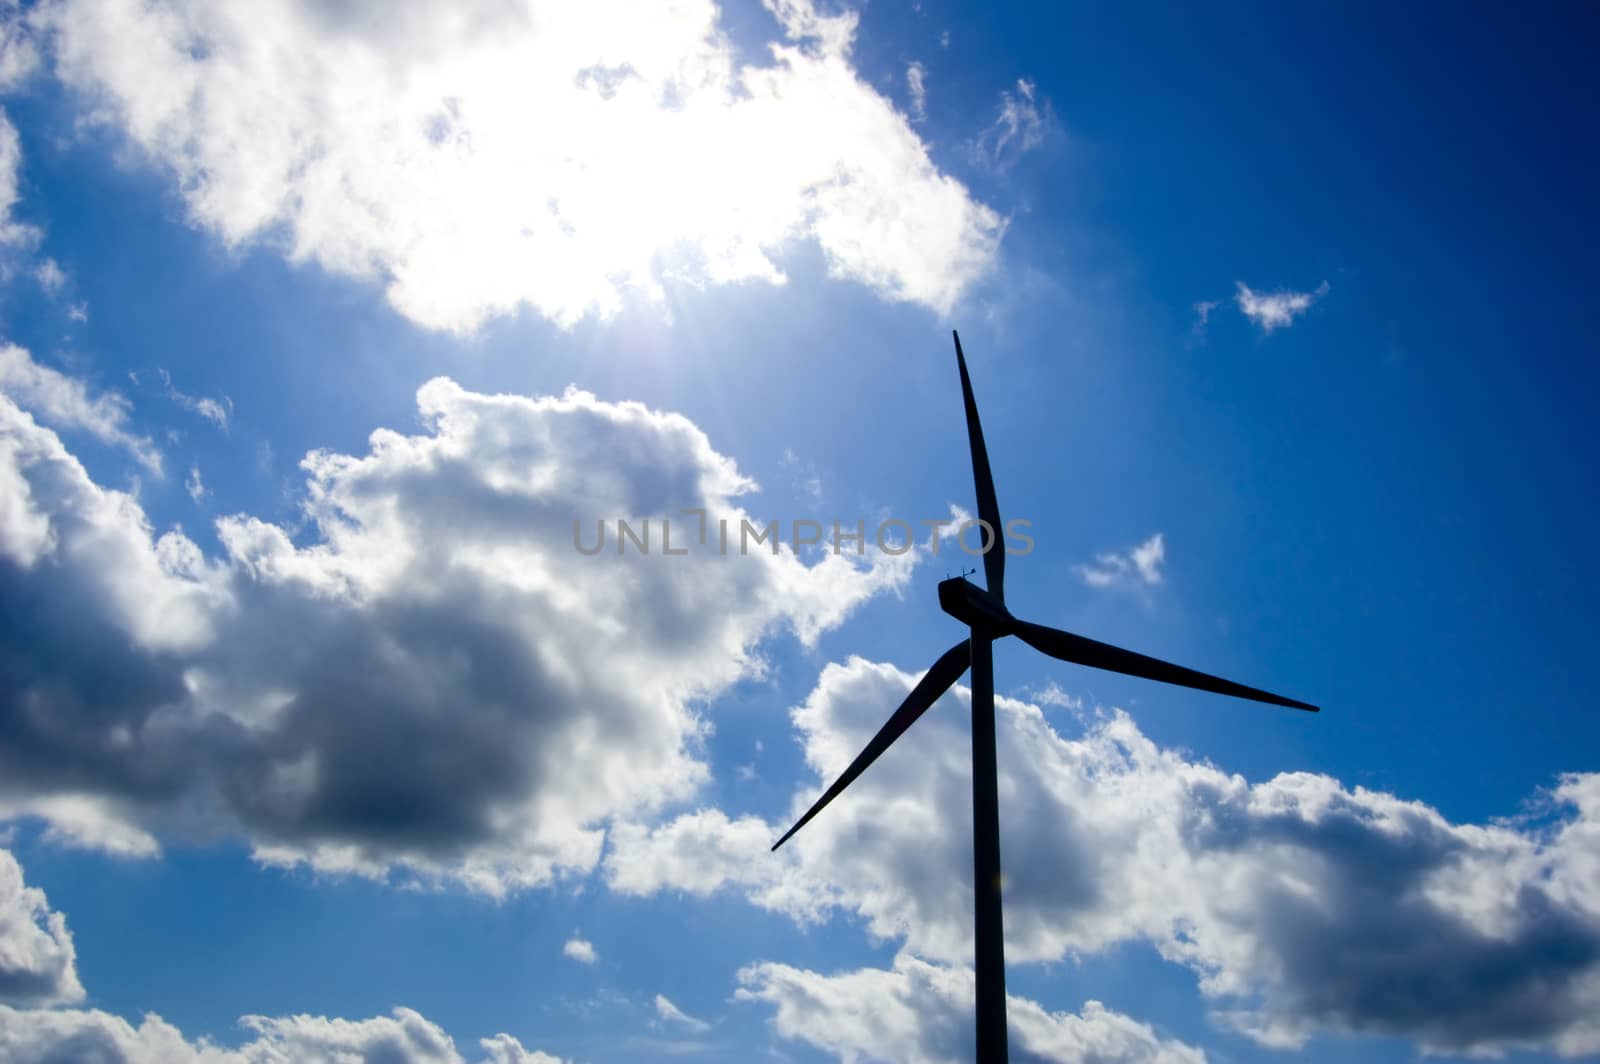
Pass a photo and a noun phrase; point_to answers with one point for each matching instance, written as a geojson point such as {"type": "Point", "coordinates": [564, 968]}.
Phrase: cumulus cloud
{"type": "Point", "coordinates": [1275, 310]}
{"type": "Point", "coordinates": [671, 1015]}
{"type": "Point", "coordinates": [1301, 905]}
{"type": "Point", "coordinates": [480, 158]}
{"type": "Point", "coordinates": [918, 1011]}
{"type": "Point", "coordinates": [38, 965]}
{"type": "Point", "coordinates": [580, 950]}
{"type": "Point", "coordinates": [66, 402]}
{"type": "Point", "coordinates": [429, 677]}
{"type": "Point", "coordinates": [404, 1037]}
{"type": "Point", "coordinates": [1137, 566]}
{"type": "Point", "coordinates": [504, 1049]}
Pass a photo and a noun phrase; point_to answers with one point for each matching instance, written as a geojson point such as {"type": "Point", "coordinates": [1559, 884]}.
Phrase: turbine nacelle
{"type": "Point", "coordinates": [975, 607]}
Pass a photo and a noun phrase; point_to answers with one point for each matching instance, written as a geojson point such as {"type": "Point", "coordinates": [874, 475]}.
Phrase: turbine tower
{"type": "Point", "coordinates": [984, 612]}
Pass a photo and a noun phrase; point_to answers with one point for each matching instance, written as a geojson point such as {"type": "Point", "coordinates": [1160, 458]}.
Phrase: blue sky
{"type": "Point", "coordinates": [1281, 325]}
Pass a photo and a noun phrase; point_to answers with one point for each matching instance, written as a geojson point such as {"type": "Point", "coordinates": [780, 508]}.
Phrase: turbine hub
{"type": "Point", "coordinates": [974, 607]}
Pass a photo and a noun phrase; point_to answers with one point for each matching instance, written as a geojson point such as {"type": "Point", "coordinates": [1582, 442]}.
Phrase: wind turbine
{"type": "Point", "coordinates": [984, 612]}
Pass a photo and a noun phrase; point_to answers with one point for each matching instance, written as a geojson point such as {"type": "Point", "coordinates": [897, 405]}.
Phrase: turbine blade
{"type": "Point", "coordinates": [946, 671]}
{"type": "Point", "coordinates": [994, 559]}
{"type": "Point", "coordinates": [1081, 651]}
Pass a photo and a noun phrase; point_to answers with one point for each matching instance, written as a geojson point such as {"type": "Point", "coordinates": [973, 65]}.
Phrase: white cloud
{"type": "Point", "coordinates": [195, 486]}
{"type": "Point", "coordinates": [404, 1037]}
{"type": "Point", "coordinates": [51, 277]}
{"type": "Point", "coordinates": [1302, 906]}
{"type": "Point", "coordinates": [38, 965]}
{"type": "Point", "coordinates": [430, 678]}
{"type": "Point", "coordinates": [18, 240]}
{"type": "Point", "coordinates": [66, 403]}
{"type": "Point", "coordinates": [1017, 129]}
{"type": "Point", "coordinates": [481, 158]}
{"type": "Point", "coordinates": [1138, 566]}
{"type": "Point", "coordinates": [1053, 694]}
{"type": "Point", "coordinates": [580, 950]}
{"type": "Point", "coordinates": [78, 311]}
{"type": "Point", "coordinates": [14, 235]}
{"type": "Point", "coordinates": [923, 1012]}
{"type": "Point", "coordinates": [1202, 318]}
{"type": "Point", "coordinates": [504, 1049]}
{"type": "Point", "coordinates": [917, 85]}
{"type": "Point", "coordinates": [669, 1014]}
{"type": "Point", "coordinates": [702, 852]}
{"type": "Point", "coordinates": [1275, 310]}
{"type": "Point", "coordinates": [82, 822]}
{"type": "Point", "coordinates": [19, 54]}
{"type": "Point", "coordinates": [806, 477]}
{"type": "Point", "coordinates": [217, 411]}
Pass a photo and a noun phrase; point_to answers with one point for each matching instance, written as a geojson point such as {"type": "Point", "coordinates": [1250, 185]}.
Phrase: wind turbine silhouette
{"type": "Point", "coordinates": [985, 614]}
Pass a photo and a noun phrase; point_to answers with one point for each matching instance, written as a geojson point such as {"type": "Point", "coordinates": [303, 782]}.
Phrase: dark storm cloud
{"type": "Point", "coordinates": [1302, 906]}
{"type": "Point", "coordinates": [437, 680]}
